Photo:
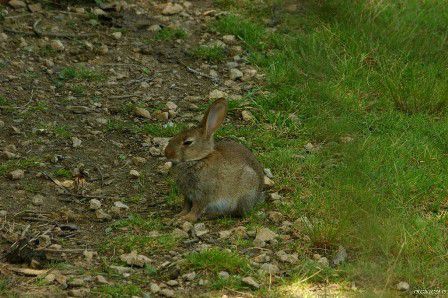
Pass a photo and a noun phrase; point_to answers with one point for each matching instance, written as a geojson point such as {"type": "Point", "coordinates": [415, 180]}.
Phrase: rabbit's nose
{"type": "Point", "coordinates": [169, 152]}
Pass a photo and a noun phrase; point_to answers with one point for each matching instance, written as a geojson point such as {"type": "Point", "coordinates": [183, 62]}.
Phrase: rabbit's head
{"type": "Point", "coordinates": [197, 143]}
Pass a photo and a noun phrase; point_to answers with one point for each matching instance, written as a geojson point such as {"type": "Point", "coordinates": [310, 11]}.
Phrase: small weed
{"type": "Point", "coordinates": [79, 73]}
{"type": "Point", "coordinates": [168, 33]}
{"type": "Point", "coordinates": [4, 101]}
{"type": "Point", "coordinates": [62, 131]}
{"type": "Point", "coordinates": [79, 90]}
{"type": "Point", "coordinates": [216, 260]}
{"type": "Point", "coordinates": [210, 53]}
{"type": "Point", "coordinates": [40, 106]}
{"type": "Point", "coordinates": [137, 222]}
{"type": "Point", "coordinates": [232, 282]}
{"type": "Point", "coordinates": [62, 173]}
{"type": "Point", "coordinates": [23, 164]}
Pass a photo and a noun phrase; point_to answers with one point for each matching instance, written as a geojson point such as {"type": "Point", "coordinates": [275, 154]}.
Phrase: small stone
{"type": "Point", "coordinates": [224, 274]}
{"type": "Point", "coordinates": [121, 269]}
{"type": "Point", "coordinates": [270, 268]}
{"type": "Point", "coordinates": [101, 279]}
{"type": "Point", "coordinates": [134, 259]}
{"type": "Point", "coordinates": [38, 200]}
{"type": "Point", "coordinates": [141, 112]}
{"type": "Point", "coordinates": [340, 257]}
{"type": "Point", "coordinates": [309, 147]}
{"type": "Point", "coordinates": [268, 173]}
{"type": "Point", "coordinates": [144, 85]}
{"type": "Point", "coordinates": [275, 196]}
{"type": "Point", "coordinates": [171, 105]}
{"type": "Point", "coordinates": [155, 151]}
{"type": "Point", "coordinates": [76, 142]}
{"type": "Point", "coordinates": [199, 229]}
{"type": "Point", "coordinates": [134, 174]}
{"type": "Point", "coordinates": [80, 10]}
{"type": "Point", "coordinates": [121, 205]}
{"type": "Point", "coordinates": [50, 278]}
{"type": "Point", "coordinates": [17, 174]}
{"type": "Point", "coordinates": [3, 213]}
{"type": "Point", "coordinates": [57, 45]}
{"type": "Point", "coordinates": [203, 282]}
{"type": "Point", "coordinates": [166, 292]}
{"type": "Point", "coordinates": [117, 35]}
{"type": "Point", "coordinates": [262, 258]}
{"type": "Point", "coordinates": [268, 182]}
{"type": "Point", "coordinates": [178, 233]}
{"type": "Point", "coordinates": [82, 292]}
{"type": "Point", "coordinates": [94, 204]}
{"type": "Point", "coordinates": [235, 74]}
{"type": "Point", "coordinates": [172, 283]}
{"type": "Point", "coordinates": [225, 234]}
{"type": "Point", "coordinates": [250, 281]}
{"type": "Point", "coordinates": [172, 9]}
{"type": "Point", "coordinates": [324, 262]}
{"type": "Point", "coordinates": [37, 7]}
{"type": "Point", "coordinates": [161, 115]}
{"type": "Point", "coordinates": [103, 49]}
{"type": "Point", "coordinates": [101, 214]}
{"type": "Point", "coordinates": [247, 116]}
{"type": "Point", "coordinates": [3, 36]}
{"type": "Point", "coordinates": [89, 255]}
{"type": "Point", "coordinates": [77, 282]}
{"type": "Point", "coordinates": [189, 276]}
{"type": "Point", "coordinates": [165, 168]}
{"type": "Point", "coordinates": [217, 94]}
{"type": "Point", "coordinates": [137, 160]}
{"type": "Point", "coordinates": [98, 12]}
{"type": "Point", "coordinates": [275, 216]}
{"type": "Point", "coordinates": [154, 288]}
{"type": "Point", "coordinates": [403, 286]}
{"type": "Point", "coordinates": [17, 4]}
{"type": "Point", "coordinates": [88, 45]}
{"type": "Point", "coordinates": [265, 234]}
{"type": "Point", "coordinates": [287, 258]}
{"type": "Point", "coordinates": [187, 226]}
{"type": "Point", "coordinates": [229, 39]}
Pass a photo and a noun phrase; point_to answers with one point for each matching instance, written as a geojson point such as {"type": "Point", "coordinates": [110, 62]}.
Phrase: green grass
{"type": "Point", "coordinates": [80, 72]}
{"type": "Point", "coordinates": [136, 221]}
{"type": "Point", "coordinates": [141, 243]}
{"type": "Point", "coordinates": [14, 164]}
{"type": "Point", "coordinates": [4, 101]}
{"type": "Point", "coordinates": [376, 71]}
{"type": "Point", "coordinates": [168, 33]}
{"type": "Point", "coordinates": [153, 129]}
{"type": "Point", "coordinates": [209, 53]}
{"type": "Point", "coordinates": [62, 173]}
{"type": "Point", "coordinates": [215, 260]}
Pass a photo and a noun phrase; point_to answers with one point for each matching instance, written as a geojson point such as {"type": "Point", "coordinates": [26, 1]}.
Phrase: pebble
{"type": "Point", "coordinates": [141, 112]}
{"type": "Point", "coordinates": [270, 268]}
{"type": "Point", "coordinates": [178, 233]}
{"type": "Point", "coordinates": [165, 168]}
{"type": "Point", "coordinates": [229, 39]}
{"type": "Point", "coordinates": [3, 36]}
{"type": "Point", "coordinates": [94, 204]}
{"type": "Point", "coordinates": [172, 9]}
{"type": "Point", "coordinates": [275, 216]}
{"type": "Point", "coordinates": [76, 142]}
{"type": "Point", "coordinates": [101, 279]}
{"type": "Point", "coordinates": [403, 286]}
{"type": "Point", "coordinates": [275, 196]}
{"type": "Point", "coordinates": [154, 28]}
{"type": "Point", "coordinates": [251, 282]}
{"type": "Point", "coordinates": [171, 105]}
{"type": "Point", "coordinates": [121, 205]}
{"type": "Point", "coordinates": [134, 174]}
{"type": "Point", "coordinates": [57, 45]}
{"type": "Point", "coordinates": [247, 116]}
{"type": "Point", "coordinates": [134, 259]}
{"type": "Point", "coordinates": [217, 94]}
{"type": "Point", "coordinates": [117, 35]}
{"type": "Point", "coordinates": [3, 213]}
{"type": "Point", "coordinates": [235, 74]}
{"type": "Point", "coordinates": [38, 200]}
{"type": "Point", "coordinates": [154, 288]}
{"type": "Point", "coordinates": [103, 49]}
{"type": "Point", "coordinates": [187, 226]}
{"type": "Point", "coordinates": [225, 234]}
{"type": "Point", "coordinates": [98, 12]}
{"type": "Point", "coordinates": [121, 269]}
{"type": "Point", "coordinates": [81, 292]}
{"type": "Point", "coordinates": [268, 173]}
{"type": "Point", "coordinates": [203, 282]}
{"type": "Point", "coordinates": [265, 235]}
{"type": "Point", "coordinates": [268, 182]}
{"type": "Point", "coordinates": [88, 254]}
{"type": "Point", "coordinates": [17, 4]}
{"type": "Point", "coordinates": [137, 160]}
{"type": "Point", "coordinates": [189, 276]}
{"type": "Point", "coordinates": [340, 256]}
{"type": "Point", "coordinates": [77, 282]}
{"type": "Point", "coordinates": [224, 274]}
{"type": "Point", "coordinates": [199, 229]}
{"type": "Point", "coordinates": [166, 292]}
{"type": "Point", "coordinates": [101, 214]}
{"type": "Point", "coordinates": [287, 258]}
{"type": "Point", "coordinates": [172, 283]}
{"type": "Point", "coordinates": [324, 262]}
{"type": "Point", "coordinates": [17, 174]}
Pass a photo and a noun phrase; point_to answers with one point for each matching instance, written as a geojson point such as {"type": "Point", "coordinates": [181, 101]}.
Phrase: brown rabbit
{"type": "Point", "coordinates": [217, 179]}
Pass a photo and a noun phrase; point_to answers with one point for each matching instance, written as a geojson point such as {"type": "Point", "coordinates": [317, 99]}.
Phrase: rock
{"type": "Point", "coordinates": [89, 255]}
{"type": "Point", "coordinates": [275, 216]}
{"type": "Point", "coordinates": [247, 116]}
{"type": "Point", "coordinates": [178, 233]}
{"type": "Point", "coordinates": [17, 174]}
{"type": "Point", "coordinates": [3, 213]}
{"type": "Point", "coordinates": [340, 256]}
{"type": "Point", "coordinates": [165, 168]}
{"type": "Point", "coordinates": [217, 94]}
{"type": "Point", "coordinates": [101, 279]}
{"type": "Point", "coordinates": [189, 276]}
{"type": "Point", "coordinates": [82, 292]}
{"type": "Point", "coordinates": [268, 173]}
{"type": "Point", "coordinates": [235, 74]}
{"type": "Point", "coordinates": [250, 281]}
{"type": "Point", "coordinates": [225, 234]}
{"type": "Point", "coordinates": [141, 112]}
{"type": "Point", "coordinates": [275, 196]}
{"type": "Point", "coordinates": [134, 174]}
{"type": "Point", "coordinates": [98, 12]}
{"type": "Point", "coordinates": [224, 274]}
{"type": "Point", "coordinates": [268, 182]}
{"type": "Point", "coordinates": [172, 9]}
{"type": "Point", "coordinates": [117, 35]}
{"type": "Point", "coordinates": [199, 229]}
{"type": "Point", "coordinates": [102, 215]}
{"type": "Point", "coordinates": [403, 286]}
{"type": "Point", "coordinates": [2, 123]}
{"type": "Point", "coordinates": [103, 49]}
{"type": "Point", "coordinates": [172, 283]}
{"type": "Point", "coordinates": [76, 142]}
{"type": "Point", "coordinates": [287, 258]}
{"type": "Point", "coordinates": [38, 200]}
{"type": "Point", "coordinates": [121, 269]}
{"type": "Point", "coordinates": [229, 39]}
{"type": "Point", "coordinates": [323, 261]}
{"type": "Point", "coordinates": [3, 36]}
{"type": "Point", "coordinates": [121, 205]}
{"type": "Point", "coordinates": [57, 45]}
{"type": "Point", "coordinates": [166, 292]}
{"type": "Point", "coordinates": [137, 160]}
{"type": "Point", "coordinates": [270, 268]}
{"type": "Point", "coordinates": [265, 235]}
{"type": "Point", "coordinates": [154, 28]}
{"type": "Point", "coordinates": [187, 226]}
{"type": "Point", "coordinates": [94, 204]}
{"type": "Point", "coordinates": [89, 45]}
{"type": "Point", "coordinates": [262, 258]}
{"type": "Point", "coordinates": [77, 282]}
{"type": "Point", "coordinates": [17, 4]}
{"type": "Point", "coordinates": [171, 105]}
{"type": "Point", "coordinates": [50, 277]}
{"type": "Point", "coordinates": [309, 147]}
{"type": "Point", "coordinates": [161, 115]}
{"type": "Point", "coordinates": [154, 288]}
{"type": "Point", "coordinates": [135, 260]}
{"type": "Point", "coordinates": [37, 7]}
{"type": "Point", "coordinates": [203, 282]}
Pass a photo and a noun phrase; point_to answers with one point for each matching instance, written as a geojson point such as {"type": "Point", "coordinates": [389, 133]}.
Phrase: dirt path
{"type": "Point", "coordinates": [72, 80]}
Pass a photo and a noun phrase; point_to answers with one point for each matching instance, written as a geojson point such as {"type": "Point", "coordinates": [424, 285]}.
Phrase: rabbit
{"type": "Point", "coordinates": [222, 178]}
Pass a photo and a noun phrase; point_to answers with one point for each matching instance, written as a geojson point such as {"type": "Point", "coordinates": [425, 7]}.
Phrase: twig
{"type": "Point", "coordinates": [124, 96]}
{"type": "Point", "coordinates": [101, 174]}
{"type": "Point", "coordinates": [238, 292]}
{"type": "Point", "coordinates": [197, 72]}
{"type": "Point", "coordinates": [27, 271]}
{"type": "Point", "coordinates": [82, 196]}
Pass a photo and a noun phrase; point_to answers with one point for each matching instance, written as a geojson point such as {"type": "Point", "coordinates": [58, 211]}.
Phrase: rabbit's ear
{"type": "Point", "coordinates": [214, 117]}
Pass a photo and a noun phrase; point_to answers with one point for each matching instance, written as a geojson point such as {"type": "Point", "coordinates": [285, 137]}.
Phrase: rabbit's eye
{"type": "Point", "coordinates": [188, 142]}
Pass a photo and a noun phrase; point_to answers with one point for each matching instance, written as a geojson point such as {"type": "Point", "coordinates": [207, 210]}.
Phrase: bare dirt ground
{"type": "Point", "coordinates": [71, 79]}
